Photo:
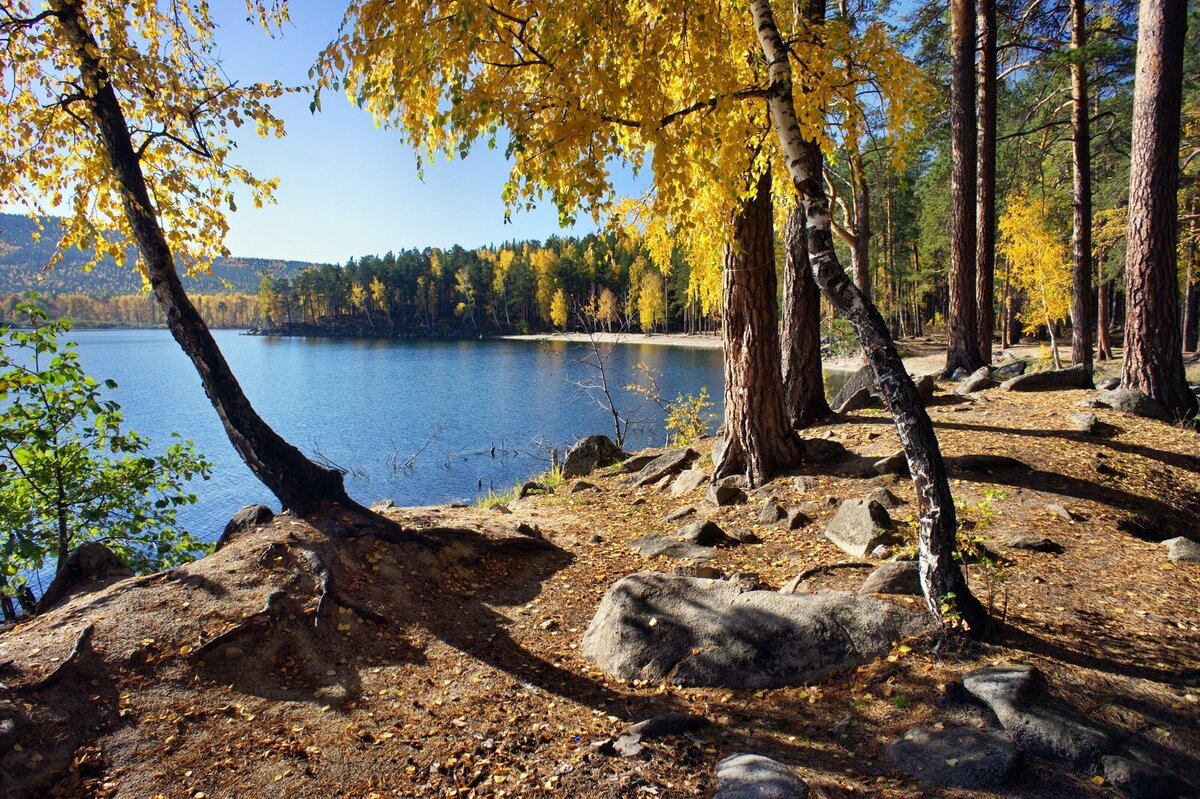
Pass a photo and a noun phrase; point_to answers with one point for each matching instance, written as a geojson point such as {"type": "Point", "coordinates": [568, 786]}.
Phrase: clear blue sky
{"type": "Point", "coordinates": [346, 187]}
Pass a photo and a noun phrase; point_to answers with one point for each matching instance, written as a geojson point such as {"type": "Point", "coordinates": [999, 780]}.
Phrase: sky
{"type": "Point", "coordinates": [348, 188]}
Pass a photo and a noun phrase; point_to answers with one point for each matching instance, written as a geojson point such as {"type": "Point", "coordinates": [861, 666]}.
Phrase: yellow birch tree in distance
{"type": "Point", "coordinates": [1040, 265]}
{"type": "Point", "coordinates": [693, 92]}
{"type": "Point", "coordinates": [118, 114]}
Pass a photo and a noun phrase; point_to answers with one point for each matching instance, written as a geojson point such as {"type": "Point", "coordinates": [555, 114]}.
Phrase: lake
{"type": "Point", "coordinates": [415, 421]}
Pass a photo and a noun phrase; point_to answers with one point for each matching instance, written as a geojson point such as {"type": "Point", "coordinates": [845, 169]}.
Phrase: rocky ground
{"type": "Point", "coordinates": [442, 652]}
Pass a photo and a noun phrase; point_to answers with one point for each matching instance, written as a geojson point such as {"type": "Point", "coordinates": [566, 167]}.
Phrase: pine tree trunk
{"type": "Point", "coordinates": [300, 484]}
{"type": "Point", "coordinates": [803, 382]}
{"type": "Point", "coordinates": [985, 194]}
{"type": "Point", "coordinates": [1081, 237]}
{"type": "Point", "coordinates": [1153, 350]}
{"type": "Point", "coordinates": [962, 327]}
{"type": "Point", "coordinates": [1103, 325]}
{"type": "Point", "coordinates": [942, 581]}
{"type": "Point", "coordinates": [759, 441]}
{"type": "Point", "coordinates": [1190, 295]}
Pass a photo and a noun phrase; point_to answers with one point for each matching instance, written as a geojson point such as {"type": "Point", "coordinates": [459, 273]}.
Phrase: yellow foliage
{"type": "Point", "coordinates": [558, 309]}
{"type": "Point", "coordinates": [182, 112]}
{"type": "Point", "coordinates": [1039, 260]}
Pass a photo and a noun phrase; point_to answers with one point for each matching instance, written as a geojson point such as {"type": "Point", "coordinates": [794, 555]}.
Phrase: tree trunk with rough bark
{"type": "Point", "coordinates": [962, 326]}
{"type": "Point", "coordinates": [946, 591]}
{"type": "Point", "coordinates": [1081, 196]}
{"type": "Point", "coordinates": [759, 441]}
{"type": "Point", "coordinates": [985, 194]}
{"type": "Point", "coordinates": [1153, 350]}
{"type": "Point", "coordinates": [301, 485]}
{"type": "Point", "coordinates": [803, 382]}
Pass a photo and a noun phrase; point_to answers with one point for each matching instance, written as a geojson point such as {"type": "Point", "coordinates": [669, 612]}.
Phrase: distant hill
{"type": "Point", "coordinates": [22, 261]}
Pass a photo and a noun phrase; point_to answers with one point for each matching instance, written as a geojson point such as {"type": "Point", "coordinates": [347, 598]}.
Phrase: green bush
{"type": "Point", "coordinates": [69, 473]}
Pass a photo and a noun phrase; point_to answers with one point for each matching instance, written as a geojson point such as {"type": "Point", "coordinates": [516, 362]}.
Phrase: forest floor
{"type": "Point", "coordinates": [437, 654]}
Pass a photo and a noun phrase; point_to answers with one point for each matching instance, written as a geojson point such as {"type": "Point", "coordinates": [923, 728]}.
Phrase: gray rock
{"type": "Point", "coordinates": [1182, 550]}
{"type": "Point", "coordinates": [8, 734]}
{"type": "Point", "coordinates": [979, 380]}
{"type": "Point", "coordinates": [681, 513]}
{"type": "Point", "coordinates": [688, 481]}
{"type": "Point", "coordinates": [1139, 780]}
{"type": "Point", "coordinates": [893, 464]}
{"type": "Point", "coordinates": [863, 398]}
{"type": "Point", "coordinates": [377, 505]}
{"type": "Point", "coordinates": [533, 488]}
{"type": "Point", "coordinates": [1051, 380]}
{"type": "Point", "coordinates": [771, 512]}
{"type": "Point", "coordinates": [926, 386]}
{"type": "Point", "coordinates": [709, 633]}
{"type": "Point", "coordinates": [956, 757]}
{"type": "Point", "coordinates": [589, 454]}
{"type": "Point", "coordinates": [859, 526]}
{"type": "Point", "coordinates": [670, 463]}
{"type": "Point", "coordinates": [1035, 543]}
{"type": "Point", "coordinates": [581, 486]}
{"type": "Point", "coordinates": [884, 497]}
{"type": "Point", "coordinates": [987, 463]}
{"type": "Point", "coordinates": [1038, 723]}
{"type": "Point", "coordinates": [881, 552]}
{"type": "Point", "coordinates": [706, 534]}
{"type": "Point", "coordinates": [757, 777]}
{"type": "Point", "coordinates": [863, 379]}
{"type": "Point", "coordinates": [638, 460]}
{"type": "Point", "coordinates": [1108, 383]}
{"type": "Point", "coordinates": [1085, 422]}
{"type": "Point", "coordinates": [894, 577]}
{"type": "Point", "coordinates": [247, 518]}
{"type": "Point", "coordinates": [959, 374]}
{"type": "Point", "coordinates": [1008, 370]}
{"type": "Point", "coordinates": [661, 546]}
{"type": "Point", "coordinates": [668, 724]}
{"type": "Point", "coordinates": [1127, 400]}
{"type": "Point", "coordinates": [727, 491]}
{"type": "Point", "coordinates": [805, 483]}
{"type": "Point", "coordinates": [1060, 512]}
{"type": "Point", "coordinates": [796, 518]}
{"type": "Point", "coordinates": [89, 566]}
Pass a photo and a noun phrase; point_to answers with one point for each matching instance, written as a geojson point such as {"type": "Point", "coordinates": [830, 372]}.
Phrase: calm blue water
{"type": "Point", "coordinates": [368, 405]}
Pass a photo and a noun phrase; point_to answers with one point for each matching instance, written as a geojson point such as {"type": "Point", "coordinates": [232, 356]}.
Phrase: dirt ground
{"type": "Point", "coordinates": [437, 654]}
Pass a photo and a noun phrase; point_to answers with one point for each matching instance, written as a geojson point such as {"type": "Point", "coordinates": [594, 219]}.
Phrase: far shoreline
{"type": "Point", "coordinates": [699, 341]}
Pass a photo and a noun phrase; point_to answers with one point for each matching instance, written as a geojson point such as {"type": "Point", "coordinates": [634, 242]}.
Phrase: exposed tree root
{"type": "Point", "coordinates": [328, 585]}
{"type": "Point", "coordinates": [266, 615]}
{"type": "Point", "coordinates": [81, 643]}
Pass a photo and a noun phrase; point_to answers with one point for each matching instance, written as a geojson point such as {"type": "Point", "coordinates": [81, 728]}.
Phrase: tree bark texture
{"type": "Point", "coordinates": [1081, 197]}
{"type": "Point", "coordinates": [759, 441]}
{"type": "Point", "coordinates": [962, 327]}
{"type": "Point", "coordinates": [803, 382]}
{"type": "Point", "coordinates": [985, 194]}
{"type": "Point", "coordinates": [942, 581]}
{"type": "Point", "coordinates": [299, 484]}
{"type": "Point", "coordinates": [1153, 349]}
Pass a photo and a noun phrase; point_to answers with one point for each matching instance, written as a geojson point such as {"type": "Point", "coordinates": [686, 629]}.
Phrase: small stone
{"type": "Point", "coordinates": [549, 625]}
{"type": "Point", "coordinates": [747, 776]}
{"type": "Point", "coordinates": [796, 518]}
{"type": "Point", "coordinates": [745, 537]}
{"type": "Point", "coordinates": [859, 526]}
{"type": "Point", "coordinates": [725, 493]}
{"type": "Point", "coordinates": [589, 454]}
{"type": "Point", "coordinates": [955, 757]}
{"type": "Point", "coordinates": [1009, 370]}
{"type": "Point", "coordinates": [805, 483]}
{"type": "Point", "coordinates": [688, 481]}
{"type": "Point", "coordinates": [706, 534]}
{"type": "Point", "coordinates": [771, 512]}
{"type": "Point", "coordinates": [596, 539]}
{"type": "Point", "coordinates": [531, 488]}
{"type": "Point", "coordinates": [653, 546]}
{"type": "Point", "coordinates": [1182, 550]}
{"type": "Point", "coordinates": [529, 530]}
{"type": "Point", "coordinates": [1060, 512]}
{"type": "Point", "coordinates": [704, 572]}
{"type": "Point", "coordinates": [1108, 383]}
{"type": "Point", "coordinates": [1035, 543]}
{"type": "Point", "coordinates": [668, 724]}
{"type": "Point", "coordinates": [1085, 422]}
{"type": "Point", "coordinates": [378, 505]}
{"type": "Point", "coordinates": [681, 513]}
{"type": "Point", "coordinates": [979, 380]}
{"type": "Point", "coordinates": [884, 497]}
{"type": "Point", "coordinates": [893, 464]}
{"type": "Point", "coordinates": [582, 485]}
{"type": "Point", "coordinates": [881, 552]}
{"type": "Point", "coordinates": [244, 520]}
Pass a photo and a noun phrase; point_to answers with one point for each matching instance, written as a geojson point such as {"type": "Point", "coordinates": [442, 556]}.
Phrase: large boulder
{"type": "Point", "coordinates": [1108, 383]}
{"type": "Point", "coordinates": [638, 460]}
{"type": "Point", "coordinates": [894, 577]}
{"type": "Point", "coordinates": [1127, 400]}
{"type": "Point", "coordinates": [956, 757]}
{"type": "Point", "coordinates": [688, 481]}
{"type": "Point", "coordinates": [1011, 369]}
{"type": "Point", "coordinates": [697, 632]}
{"type": "Point", "coordinates": [859, 526]}
{"type": "Point", "coordinates": [1051, 380]}
{"type": "Point", "coordinates": [1182, 550]}
{"type": "Point", "coordinates": [589, 454]}
{"type": "Point", "coordinates": [862, 380]}
{"type": "Point", "coordinates": [663, 546]}
{"type": "Point", "coordinates": [246, 519]}
{"type": "Point", "coordinates": [1038, 723]}
{"type": "Point", "coordinates": [979, 380]}
{"type": "Point", "coordinates": [707, 534]}
{"type": "Point", "coordinates": [88, 567]}
{"type": "Point", "coordinates": [757, 777]}
{"type": "Point", "coordinates": [669, 463]}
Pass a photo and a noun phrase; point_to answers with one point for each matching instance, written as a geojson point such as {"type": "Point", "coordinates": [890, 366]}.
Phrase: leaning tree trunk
{"type": "Point", "coordinates": [1081, 197]}
{"type": "Point", "coordinates": [962, 328]}
{"type": "Point", "coordinates": [300, 484]}
{"type": "Point", "coordinates": [803, 383]}
{"type": "Point", "coordinates": [945, 589]}
{"type": "Point", "coordinates": [985, 194]}
{"type": "Point", "coordinates": [1153, 350]}
{"type": "Point", "coordinates": [759, 442]}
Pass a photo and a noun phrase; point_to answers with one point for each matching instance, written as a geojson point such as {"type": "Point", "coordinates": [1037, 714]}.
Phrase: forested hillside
{"type": "Point", "coordinates": [23, 261]}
